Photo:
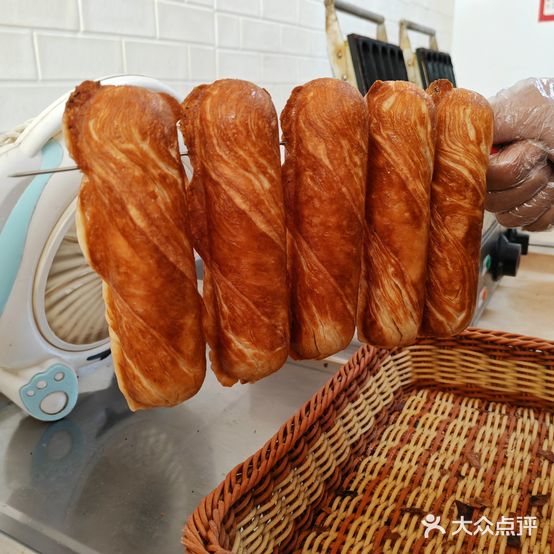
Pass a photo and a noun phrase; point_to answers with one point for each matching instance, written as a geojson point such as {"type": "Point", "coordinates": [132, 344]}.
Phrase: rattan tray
{"type": "Point", "coordinates": [458, 428]}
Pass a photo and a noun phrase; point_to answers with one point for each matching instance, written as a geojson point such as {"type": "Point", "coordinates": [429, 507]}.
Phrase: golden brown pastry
{"type": "Point", "coordinates": [236, 198]}
{"type": "Point", "coordinates": [401, 150]}
{"type": "Point", "coordinates": [132, 227]}
{"type": "Point", "coordinates": [325, 133]}
{"type": "Point", "coordinates": [464, 139]}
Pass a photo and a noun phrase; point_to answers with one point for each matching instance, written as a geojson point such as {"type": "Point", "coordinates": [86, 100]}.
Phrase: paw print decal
{"type": "Point", "coordinates": [51, 394]}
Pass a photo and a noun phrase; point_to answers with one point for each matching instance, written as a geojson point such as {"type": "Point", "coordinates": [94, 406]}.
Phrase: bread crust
{"type": "Point", "coordinates": [464, 140]}
{"type": "Point", "coordinates": [132, 227]}
{"type": "Point", "coordinates": [394, 264]}
{"type": "Point", "coordinates": [231, 132]}
{"type": "Point", "coordinates": [324, 128]}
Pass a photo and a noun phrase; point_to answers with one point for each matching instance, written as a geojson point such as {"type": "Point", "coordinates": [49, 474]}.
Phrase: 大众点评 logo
{"type": "Point", "coordinates": [505, 526]}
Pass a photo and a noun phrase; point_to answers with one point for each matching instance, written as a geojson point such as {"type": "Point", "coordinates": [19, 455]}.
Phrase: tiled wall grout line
{"type": "Point", "coordinates": [37, 56]}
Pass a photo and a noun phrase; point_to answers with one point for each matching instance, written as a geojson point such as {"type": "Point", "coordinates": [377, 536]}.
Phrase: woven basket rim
{"type": "Point", "coordinates": [244, 476]}
{"type": "Point", "coordinates": [502, 338]}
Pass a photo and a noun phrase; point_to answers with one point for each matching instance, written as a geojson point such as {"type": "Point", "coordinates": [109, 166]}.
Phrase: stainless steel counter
{"type": "Point", "coordinates": [108, 481]}
{"type": "Point", "coordinates": [105, 480]}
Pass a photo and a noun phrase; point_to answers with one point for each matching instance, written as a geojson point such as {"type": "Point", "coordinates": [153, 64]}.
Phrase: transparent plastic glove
{"type": "Point", "coordinates": [521, 173]}
{"type": "Point", "coordinates": [529, 212]}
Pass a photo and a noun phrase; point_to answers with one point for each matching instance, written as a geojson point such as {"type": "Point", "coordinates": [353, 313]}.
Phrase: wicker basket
{"type": "Point", "coordinates": [458, 428]}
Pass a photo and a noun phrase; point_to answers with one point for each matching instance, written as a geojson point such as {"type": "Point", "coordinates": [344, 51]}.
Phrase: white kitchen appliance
{"type": "Point", "coordinates": [53, 334]}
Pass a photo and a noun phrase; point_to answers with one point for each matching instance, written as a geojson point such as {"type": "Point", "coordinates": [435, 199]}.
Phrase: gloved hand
{"type": "Point", "coordinates": [520, 178]}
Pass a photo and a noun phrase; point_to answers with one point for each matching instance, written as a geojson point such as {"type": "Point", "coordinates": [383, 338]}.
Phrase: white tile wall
{"type": "Point", "coordinates": [318, 44]}
{"type": "Point", "coordinates": [26, 101]}
{"type": "Point", "coordinates": [52, 45]}
{"type": "Point", "coordinates": [127, 17]}
{"type": "Point", "coordinates": [311, 14]}
{"type": "Point", "coordinates": [17, 59]}
{"type": "Point", "coordinates": [56, 14]}
{"type": "Point", "coordinates": [228, 30]}
{"type": "Point", "coordinates": [280, 11]}
{"type": "Point", "coordinates": [240, 65]}
{"type": "Point", "coordinates": [155, 59]}
{"type": "Point", "coordinates": [260, 35]}
{"type": "Point", "coordinates": [310, 68]}
{"type": "Point", "coordinates": [279, 69]}
{"type": "Point", "coordinates": [75, 57]}
{"type": "Point", "coordinates": [186, 23]}
{"type": "Point", "coordinates": [296, 40]}
{"type": "Point", "coordinates": [251, 7]}
{"type": "Point", "coordinates": [209, 3]}
{"type": "Point", "coordinates": [202, 64]}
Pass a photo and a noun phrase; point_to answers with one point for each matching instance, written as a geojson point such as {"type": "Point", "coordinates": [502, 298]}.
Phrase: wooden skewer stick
{"type": "Point", "coordinates": [34, 172]}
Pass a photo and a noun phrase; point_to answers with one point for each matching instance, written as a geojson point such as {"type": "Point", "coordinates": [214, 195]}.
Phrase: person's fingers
{"type": "Point", "coordinates": [543, 223]}
{"type": "Point", "coordinates": [529, 212]}
{"type": "Point", "coordinates": [511, 166]}
{"type": "Point", "coordinates": [504, 200]}
{"type": "Point", "coordinates": [525, 111]}
{"type": "Point", "coordinates": [546, 220]}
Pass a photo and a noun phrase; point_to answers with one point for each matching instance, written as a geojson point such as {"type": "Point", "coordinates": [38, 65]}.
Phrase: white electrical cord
{"type": "Point", "coordinates": [11, 136]}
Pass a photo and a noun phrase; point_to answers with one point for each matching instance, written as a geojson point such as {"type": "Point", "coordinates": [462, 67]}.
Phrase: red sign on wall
{"type": "Point", "coordinates": [547, 10]}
